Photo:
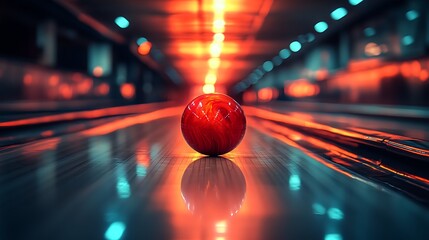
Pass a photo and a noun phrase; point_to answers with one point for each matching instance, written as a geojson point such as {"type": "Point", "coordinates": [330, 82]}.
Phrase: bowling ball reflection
{"type": "Point", "coordinates": [213, 188]}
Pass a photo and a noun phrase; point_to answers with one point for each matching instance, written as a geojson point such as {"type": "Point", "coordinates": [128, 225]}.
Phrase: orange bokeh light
{"type": "Point", "coordinates": [84, 86]}
{"type": "Point", "coordinates": [424, 75]}
{"type": "Point", "coordinates": [301, 88]}
{"type": "Point", "coordinates": [144, 48]}
{"type": "Point", "coordinates": [28, 79]}
{"type": "Point", "coordinates": [66, 91]}
{"type": "Point", "coordinates": [210, 78]}
{"type": "Point", "coordinates": [218, 5]}
{"type": "Point", "coordinates": [54, 80]}
{"type": "Point", "coordinates": [214, 63]}
{"type": "Point", "coordinates": [322, 74]}
{"type": "Point", "coordinates": [128, 90]}
{"type": "Point", "coordinates": [215, 49]}
{"type": "Point", "coordinates": [209, 88]}
{"type": "Point", "coordinates": [218, 37]}
{"type": "Point", "coordinates": [218, 26]}
{"type": "Point", "coordinates": [267, 94]}
{"type": "Point", "coordinates": [103, 89]}
{"type": "Point", "coordinates": [97, 71]}
{"type": "Point", "coordinates": [249, 97]}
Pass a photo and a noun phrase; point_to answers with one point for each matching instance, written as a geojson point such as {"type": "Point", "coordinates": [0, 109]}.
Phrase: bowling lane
{"type": "Point", "coordinates": [392, 120]}
{"type": "Point", "coordinates": [136, 178]}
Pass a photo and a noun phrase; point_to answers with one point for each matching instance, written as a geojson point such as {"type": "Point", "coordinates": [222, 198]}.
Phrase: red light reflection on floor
{"type": "Point", "coordinates": [40, 146]}
{"type": "Point", "coordinates": [246, 220]}
{"type": "Point", "coordinates": [338, 154]}
{"type": "Point", "coordinates": [130, 121]}
{"type": "Point", "coordinates": [268, 115]}
{"type": "Point", "coordinates": [91, 114]}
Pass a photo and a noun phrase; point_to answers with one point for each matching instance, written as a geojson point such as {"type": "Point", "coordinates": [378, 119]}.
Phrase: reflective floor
{"type": "Point", "coordinates": [136, 178]}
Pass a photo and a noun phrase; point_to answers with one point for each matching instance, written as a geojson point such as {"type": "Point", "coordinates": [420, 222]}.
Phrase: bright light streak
{"type": "Point", "coordinates": [218, 37]}
{"type": "Point", "coordinates": [335, 214]}
{"type": "Point", "coordinates": [412, 15]}
{"type": "Point", "coordinates": [321, 27]}
{"type": "Point", "coordinates": [218, 26]}
{"type": "Point", "coordinates": [216, 46]}
{"type": "Point", "coordinates": [294, 182]}
{"type": "Point", "coordinates": [215, 49]}
{"type": "Point", "coordinates": [333, 236]}
{"type": "Point", "coordinates": [355, 2]}
{"type": "Point", "coordinates": [338, 13]}
{"type": "Point", "coordinates": [115, 231]}
{"type": "Point", "coordinates": [214, 63]}
{"type": "Point", "coordinates": [122, 22]}
{"type": "Point", "coordinates": [208, 88]}
{"type": "Point", "coordinates": [295, 46]}
{"type": "Point", "coordinates": [210, 78]}
{"type": "Point", "coordinates": [221, 227]}
{"type": "Point", "coordinates": [218, 5]}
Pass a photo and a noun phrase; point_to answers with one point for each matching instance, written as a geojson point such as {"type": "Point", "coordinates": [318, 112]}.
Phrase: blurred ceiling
{"type": "Point", "coordinates": [183, 30]}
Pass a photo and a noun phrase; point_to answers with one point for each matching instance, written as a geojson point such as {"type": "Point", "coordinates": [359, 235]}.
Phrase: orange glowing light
{"type": "Point", "coordinates": [208, 88]}
{"type": "Point", "coordinates": [41, 145]}
{"type": "Point", "coordinates": [218, 37]}
{"type": "Point", "coordinates": [364, 64]}
{"type": "Point", "coordinates": [390, 71]}
{"type": "Point", "coordinates": [406, 69]}
{"type": "Point", "coordinates": [54, 80]}
{"type": "Point", "coordinates": [372, 49]}
{"type": "Point", "coordinates": [84, 86]}
{"type": "Point", "coordinates": [218, 5]}
{"type": "Point", "coordinates": [210, 78]}
{"type": "Point", "coordinates": [218, 26]}
{"type": "Point", "coordinates": [28, 79]}
{"type": "Point", "coordinates": [221, 227]}
{"type": "Point", "coordinates": [265, 95]}
{"type": "Point", "coordinates": [133, 120]}
{"type": "Point", "coordinates": [66, 91]}
{"type": "Point", "coordinates": [416, 68]}
{"type": "Point", "coordinates": [77, 77]}
{"type": "Point", "coordinates": [103, 89]}
{"type": "Point", "coordinates": [191, 48]}
{"type": "Point", "coordinates": [90, 114]}
{"type": "Point", "coordinates": [301, 88]}
{"type": "Point", "coordinates": [215, 49]}
{"type": "Point", "coordinates": [424, 75]}
{"type": "Point", "coordinates": [97, 71]}
{"type": "Point", "coordinates": [249, 97]}
{"type": "Point", "coordinates": [322, 74]}
{"type": "Point", "coordinates": [47, 133]}
{"type": "Point", "coordinates": [143, 159]}
{"type": "Point", "coordinates": [218, 15]}
{"type": "Point", "coordinates": [214, 63]}
{"type": "Point", "coordinates": [128, 90]}
{"type": "Point", "coordinates": [144, 48]}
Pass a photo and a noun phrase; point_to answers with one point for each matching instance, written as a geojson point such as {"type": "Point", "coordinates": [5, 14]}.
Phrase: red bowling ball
{"type": "Point", "coordinates": [213, 124]}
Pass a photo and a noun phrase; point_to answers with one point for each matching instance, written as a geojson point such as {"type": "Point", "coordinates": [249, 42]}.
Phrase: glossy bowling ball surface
{"type": "Point", "coordinates": [213, 124]}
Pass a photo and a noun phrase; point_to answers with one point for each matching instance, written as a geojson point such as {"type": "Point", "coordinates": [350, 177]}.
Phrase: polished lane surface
{"type": "Point", "coordinates": [137, 179]}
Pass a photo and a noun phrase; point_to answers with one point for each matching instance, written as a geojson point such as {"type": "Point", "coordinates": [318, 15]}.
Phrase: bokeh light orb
{"type": "Point", "coordinates": [213, 124]}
